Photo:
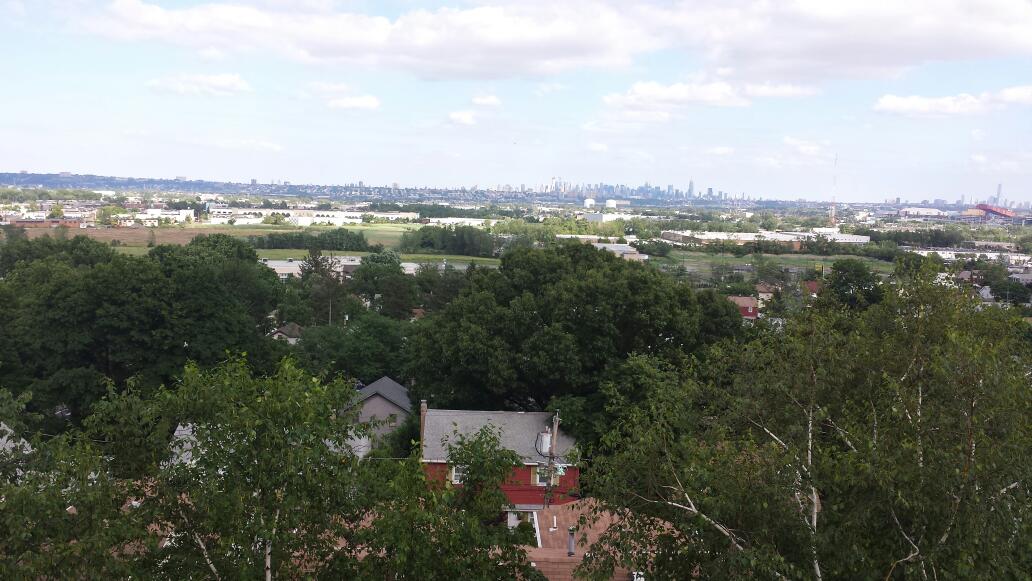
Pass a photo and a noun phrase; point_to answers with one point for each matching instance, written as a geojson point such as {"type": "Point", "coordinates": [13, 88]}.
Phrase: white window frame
{"type": "Point", "coordinates": [540, 471]}
{"type": "Point", "coordinates": [458, 473]}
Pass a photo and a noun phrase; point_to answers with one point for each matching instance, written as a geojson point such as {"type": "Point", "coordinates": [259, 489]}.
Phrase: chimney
{"type": "Point", "coordinates": [570, 544]}
{"type": "Point", "coordinates": [555, 436]}
{"type": "Point", "coordinates": [422, 421]}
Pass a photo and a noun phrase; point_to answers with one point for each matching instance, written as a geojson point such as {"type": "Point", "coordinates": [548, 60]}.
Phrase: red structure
{"type": "Point", "coordinates": [996, 211]}
{"type": "Point", "coordinates": [534, 436]}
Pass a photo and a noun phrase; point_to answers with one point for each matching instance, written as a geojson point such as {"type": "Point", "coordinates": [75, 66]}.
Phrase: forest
{"type": "Point", "coordinates": [876, 431]}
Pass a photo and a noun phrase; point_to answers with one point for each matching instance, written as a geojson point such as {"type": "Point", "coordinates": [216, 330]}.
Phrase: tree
{"type": "Point", "coordinates": [107, 214]}
{"type": "Point", "coordinates": [381, 280]}
{"type": "Point", "coordinates": [262, 477]}
{"type": "Point", "coordinates": [653, 247]}
{"type": "Point", "coordinates": [878, 444]}
{"type": "Point", "coordinates": [368, 348]}
{"type": "Point", "coordinates": [327, 294]}
{"type": "Point", "coordinates": [55, 212]}
{"type": "Point", "coordinates": [439, 286]}
{"type": "Point", "coordinates": [63, 515]}
{"type": "Point", "coordinates": [853, 284]}
{"type": "Point", "coordinates": [257, 481]}
{"type": "Point", "coordinates": [545, 328]}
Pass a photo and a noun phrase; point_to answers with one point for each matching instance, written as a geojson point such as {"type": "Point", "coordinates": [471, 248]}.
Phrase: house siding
{"type": "Point", "coordinates": [378, 407]}
{"type": "Point", "coordinates": [520, 489]}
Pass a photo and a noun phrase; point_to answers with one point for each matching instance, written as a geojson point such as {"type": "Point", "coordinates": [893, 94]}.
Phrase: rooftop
{"type": "Point", "coordinates": [388, 389]}
{"type": "Point", "coordinates": [519, 432]}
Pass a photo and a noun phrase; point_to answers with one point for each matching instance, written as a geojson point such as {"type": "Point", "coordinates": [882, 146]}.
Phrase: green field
{"type": "Point", "coordinates": [703, 262]}
{"type": "Point", "coordinates": [285, 253]}
{"type": "Point", "coordinates": [387, 234]}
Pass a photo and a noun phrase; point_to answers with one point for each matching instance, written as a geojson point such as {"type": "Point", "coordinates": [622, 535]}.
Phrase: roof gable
{"type": "Point", "coordinates": [388, 389]}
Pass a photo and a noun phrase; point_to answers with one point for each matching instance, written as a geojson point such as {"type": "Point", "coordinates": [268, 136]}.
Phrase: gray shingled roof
{"type": "Point", "coordinates": [292, 330]}
{"type": "Point", "coordinates": [390, 390]}
{"type": "Point", "coordinates": [519, 432]}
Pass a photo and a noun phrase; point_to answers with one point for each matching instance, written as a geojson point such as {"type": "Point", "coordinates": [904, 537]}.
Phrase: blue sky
{"type": "Point", "coordinates": [923, 99]}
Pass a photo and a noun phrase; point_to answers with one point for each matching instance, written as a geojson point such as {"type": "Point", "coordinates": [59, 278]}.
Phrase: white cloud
{"type": "Point", "coordinates": [962, 104]}
{"type": "Point", "coordinates": [803, 147]}
{"type": "Point", "coordinates": [209, 85]}
{"type": "Point", "coordinates": [778, 90]}
{"type": "Point", "coordinates": [978, 134]}
{"type": "Point", "coordinates": [720, 150]}
{"type": "Point", "coordinates": [654, 101]}
{"type": "Point", "coordinates": [817, 39]}
{"type": "Point", "coordinates": [979, 158]}
{"type": "Point", "coordinates": [487, 101]}
{"type": "Point", "coordinates": [786, 41]}
{"type": "Point", "coordinates": [1016, 95]}
{"type": "Point", "coordinates": [463, 117]}
{"type": "Point", "coordinates": [598, 147]}
{"type": "Point", "coordinates": [480, 41]}
{"type": "Point", "coordinates": [367, 102]}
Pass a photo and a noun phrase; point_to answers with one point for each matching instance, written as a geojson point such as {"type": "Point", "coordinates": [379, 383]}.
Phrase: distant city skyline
{"type": "Point", "coordinates": [918, 100]}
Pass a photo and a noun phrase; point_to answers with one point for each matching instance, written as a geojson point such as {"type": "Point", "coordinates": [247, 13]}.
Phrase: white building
{"type": "Point", "coordinates": [475, 222]}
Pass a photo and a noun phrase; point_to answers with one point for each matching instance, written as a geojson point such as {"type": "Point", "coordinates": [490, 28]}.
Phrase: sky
{"type": "Point", "coordinates": [846, 99]}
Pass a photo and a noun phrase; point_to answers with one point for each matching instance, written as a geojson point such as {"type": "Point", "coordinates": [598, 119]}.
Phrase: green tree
{"type": "Point", "coordinates": [63, 515]}
{"type": "Point", "coordinates": [545, 328]}
{"type": "Point", "coordinates": [853, 284]}
{"type": "Point", "coordinates": [367, 348]}
{"type": "Point", "coordinates": [886, 443]}
{"type": "Point", "coordinates": [383, 283]}
{"type": "Point", "coordinates": [263, 474]}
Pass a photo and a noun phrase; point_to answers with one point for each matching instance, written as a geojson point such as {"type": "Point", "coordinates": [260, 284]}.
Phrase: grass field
{"type": "Point", "coordinates": [387, 234]}
{"type": "Point", "coordinates": [285, 253]}
{"type": "Point", "coordinates": [703, 262]}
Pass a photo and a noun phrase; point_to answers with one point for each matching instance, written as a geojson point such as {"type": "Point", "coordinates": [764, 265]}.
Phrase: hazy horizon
{"type": "Point", "coordinates": [920, 100]}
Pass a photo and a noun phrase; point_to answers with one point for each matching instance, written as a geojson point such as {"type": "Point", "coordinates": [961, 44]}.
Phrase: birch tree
{"type": "Point", "coordinates": [885, 444]}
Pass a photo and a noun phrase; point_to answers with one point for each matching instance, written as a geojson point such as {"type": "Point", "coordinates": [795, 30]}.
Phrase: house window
{"type": "Point", "coordinates": [540, 476]}
{"type": "Point", "coordinates": [458, 474]}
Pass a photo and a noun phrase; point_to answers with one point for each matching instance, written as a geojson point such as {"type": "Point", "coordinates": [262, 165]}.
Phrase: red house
{"type": "Point", "coordinates": [748, 307]}
{"type": "Point", "coordinates": [547, 476]}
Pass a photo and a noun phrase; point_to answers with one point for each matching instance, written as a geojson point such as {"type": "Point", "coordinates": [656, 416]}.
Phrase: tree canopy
{"type": "Point", "coordinates": [549, 325]}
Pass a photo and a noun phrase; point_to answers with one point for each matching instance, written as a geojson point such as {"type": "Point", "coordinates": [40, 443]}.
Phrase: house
{"type": "Point", "coordinates": [764, 293]}
{"type": "Point", "coordinates": [812, 287]}
{"type": "Point", "coordinates": [547, 475]}
{"type": "Point", "coordinates": [1024, 278]}
{"type": "Point", "coordinates": [986, 294]}
{"type": "Point", "coordinates": [291, 333]}
{"type": "Point", "coordinates": [384, 402]}
{"type": "Point", "coordinates": [624, 251]}
{"type": "Point", "coordinates": [748, 307]}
